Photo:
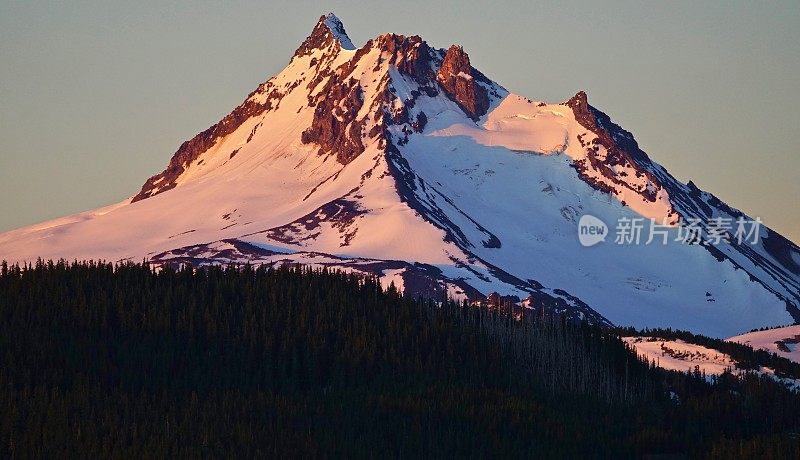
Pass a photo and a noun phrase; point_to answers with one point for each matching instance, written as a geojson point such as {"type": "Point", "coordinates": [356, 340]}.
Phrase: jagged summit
{"type": "Point", "coordinates": [337, 29]}
{"type": "Point", "coordinates": [405, 162]}
{"type": "Point", "coordinates": [328, 31]}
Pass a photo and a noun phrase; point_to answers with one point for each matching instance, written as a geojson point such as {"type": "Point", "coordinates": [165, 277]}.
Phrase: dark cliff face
{"type": "Point", "coordinates": [411, 55]}
{"type": "Point", "coordinates": [459, 81]}
{"type": "Point", "coordinates": [334, 127]}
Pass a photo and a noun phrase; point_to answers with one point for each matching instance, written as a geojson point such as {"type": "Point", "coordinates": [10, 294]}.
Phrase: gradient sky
{"type": "Point", "coordinates": [95, 96]}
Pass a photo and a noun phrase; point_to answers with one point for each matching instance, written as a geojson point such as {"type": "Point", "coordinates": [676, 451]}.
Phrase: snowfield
{"type": "Point", "coordinates": [677, 355]}
{"type": "Point", "coordinates": [782, 341]}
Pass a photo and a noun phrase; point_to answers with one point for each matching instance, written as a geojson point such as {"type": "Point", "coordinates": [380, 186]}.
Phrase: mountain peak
{"type": "Point", "coordinates": [337, 29]}
{"type": "Point", "coordinates": [329, 30]}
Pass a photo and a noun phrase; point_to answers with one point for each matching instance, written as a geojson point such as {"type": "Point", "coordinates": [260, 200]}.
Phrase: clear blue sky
{"type": "Point", "coordinates": [95, 96]}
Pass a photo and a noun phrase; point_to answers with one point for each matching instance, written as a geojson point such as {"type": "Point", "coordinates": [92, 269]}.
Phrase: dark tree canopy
{"type": "Point", "coordinates": [99, 360]}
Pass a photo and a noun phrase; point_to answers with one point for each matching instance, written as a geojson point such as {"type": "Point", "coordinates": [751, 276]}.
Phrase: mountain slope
{"type": "Point", "coordinates": [404, 161]}
{"type": "Point", "coordinates": [782, 341]}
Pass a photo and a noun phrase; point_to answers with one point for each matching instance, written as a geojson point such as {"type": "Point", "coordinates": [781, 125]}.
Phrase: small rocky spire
{"type": "Point", "coordinates": [578, 102]}
{"type": "Point", "coordinates": [458, 79]}
{"type": "Point", "coordinates": [582, 110]}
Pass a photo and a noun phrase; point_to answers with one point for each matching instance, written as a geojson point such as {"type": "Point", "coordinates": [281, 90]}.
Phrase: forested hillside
{"type": "Point", "coordinates": [102, 360]}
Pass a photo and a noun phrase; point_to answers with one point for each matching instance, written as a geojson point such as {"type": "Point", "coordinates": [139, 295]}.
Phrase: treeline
{"type": "Point", "coordinates": [99, 360]}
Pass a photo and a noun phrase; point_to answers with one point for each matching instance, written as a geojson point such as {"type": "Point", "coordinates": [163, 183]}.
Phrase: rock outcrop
{"type": "Point", "coordinates": [611, 153]}
{"type": "Point", "coordinates": [334, 127]}
{"type": "Point", "coordinates": [460, 81]}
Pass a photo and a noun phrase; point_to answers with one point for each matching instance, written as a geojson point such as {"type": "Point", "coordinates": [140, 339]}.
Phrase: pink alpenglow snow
{"type": "Point", "coordinates": [782, 341]}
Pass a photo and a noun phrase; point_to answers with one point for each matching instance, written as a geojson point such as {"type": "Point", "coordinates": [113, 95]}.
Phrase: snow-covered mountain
{"type": "Point", "coordinates": [403, 161]}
